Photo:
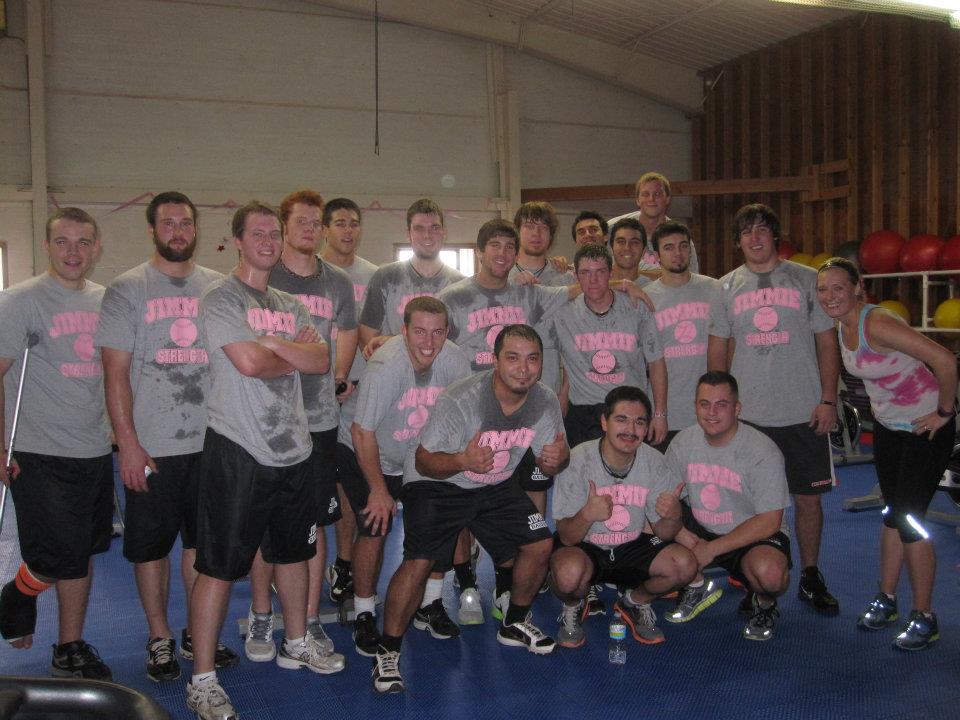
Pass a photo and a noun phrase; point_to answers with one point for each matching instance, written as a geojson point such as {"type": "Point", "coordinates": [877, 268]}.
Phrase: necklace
{"type": "Point", "coordinates": [621, 475]}
{"type": "Point", "coordinates": [535, 273]}
{"type": "Point", "coordinates": [605, 312]}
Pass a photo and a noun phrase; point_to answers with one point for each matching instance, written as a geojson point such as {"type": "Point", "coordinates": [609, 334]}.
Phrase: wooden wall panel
{"type": "Point", "coordinates": [880, 93]}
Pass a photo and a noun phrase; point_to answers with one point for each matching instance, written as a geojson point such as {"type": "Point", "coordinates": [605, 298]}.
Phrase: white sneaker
{"type": "Point", "coordinates": [471, 612]}
{"type": "Point", "coordinates": [309, 654]}
{"type": "Point", "coordinates": [209, 701]}
{"type": "Point", "coordinates": [500, 605]}
{"type": "Point", "coordinates": [259, 645]}
{"type": "Point", "coordinates": [316, 631]}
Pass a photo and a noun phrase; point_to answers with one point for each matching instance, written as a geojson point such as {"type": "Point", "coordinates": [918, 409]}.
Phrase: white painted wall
{"type": "Point", "coordinates": [254, 98]}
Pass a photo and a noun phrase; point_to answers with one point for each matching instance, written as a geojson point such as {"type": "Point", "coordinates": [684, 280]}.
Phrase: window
{"type": "Point", "coordinates": [459, 257]}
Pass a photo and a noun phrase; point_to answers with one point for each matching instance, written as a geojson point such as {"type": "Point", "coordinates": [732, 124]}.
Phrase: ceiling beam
{"type": "Point", "coordinates": [671, 84]}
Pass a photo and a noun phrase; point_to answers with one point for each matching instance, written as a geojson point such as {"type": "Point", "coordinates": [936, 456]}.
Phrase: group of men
{"type": "Point", "coordinates": [307, 388]}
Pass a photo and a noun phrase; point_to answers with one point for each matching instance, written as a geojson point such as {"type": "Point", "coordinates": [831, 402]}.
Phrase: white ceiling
{"type": "Point", "coordinates": [697, 34]}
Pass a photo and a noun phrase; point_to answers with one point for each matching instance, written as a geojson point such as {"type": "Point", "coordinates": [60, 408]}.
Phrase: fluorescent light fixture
{"type": "Point", "coordinates": [940, 10]}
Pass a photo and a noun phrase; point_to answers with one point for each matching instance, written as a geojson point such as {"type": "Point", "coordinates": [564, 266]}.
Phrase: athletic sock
{"type": "Point", "coordinates": [504, 579]}
{"type": "Point", "coordinates": [391, 643]}
{"type": "Point", "coordinates": [698, 583]}
{"type": "Point", "coordinates": [343, 564]}
{"type": "Point", "coordinates": [433, 591]}
{"type": "Point", "coordinates": [365, 604]}
{"type": "Point", "coordinates": [291, 645]}
{"type": "Point", "coordinates": [204, 678]}
{"type": "Point", "coordinates": [628, 599]}
{"type": "Point", "coordinates": [28, 583]}
{"type": "Point", "coordinates": [465, 575]}
{"type": "Point", "coordinates": [515, 614]}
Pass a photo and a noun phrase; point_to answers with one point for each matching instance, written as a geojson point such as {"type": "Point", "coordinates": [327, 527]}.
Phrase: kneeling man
{"type": "Point", "coordinates": [617, 508]}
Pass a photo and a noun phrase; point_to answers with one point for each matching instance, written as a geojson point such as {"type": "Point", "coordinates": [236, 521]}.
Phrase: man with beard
{"type": "Point", "coordinates": [682, 299]}
{"type": "Point", "coordinates": [157, 382]}
{"type": "Point", "coordinates": [397, 283]}
{"type": "Point", "coordinates": [537, 223]}
{"type": "Point", "coordinates": [460, 477]}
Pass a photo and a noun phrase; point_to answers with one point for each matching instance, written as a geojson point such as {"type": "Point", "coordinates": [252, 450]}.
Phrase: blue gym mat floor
{"type": "Point", "coordinates": [815, 668]}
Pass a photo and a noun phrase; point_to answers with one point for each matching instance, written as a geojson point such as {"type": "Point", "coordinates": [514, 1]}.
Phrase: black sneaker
{"type": "Point", "coordinates": [162, 660]}
{"type": "Point", "coordinates": [526, 634]}
{"type": "Point", "coordinates": [80, 660]}
{"type": "Point", "coordinates": [18, 613]}
{"type": "Point", "coordinates": [224, 657]}
{"type": "Point", "coordinates": [434, 619]}
{"type": "Point", "coordinates": [813, 590]}
{"type": "Point", "coordinates": [341, 583]}
{"type": "Point", "coordinates": [366, 639]}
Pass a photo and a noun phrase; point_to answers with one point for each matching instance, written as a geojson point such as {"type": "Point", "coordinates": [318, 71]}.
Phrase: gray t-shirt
{"type": "Point", "coordinates": [328, 296]}
{"type": "Point", "coordinates": [728, 485]}
{"type": "Point", "coordinates": [682, 319]}
{"type": "Point", "coordinates": [62, 412]}
{"type": "Point", "coordinates": [547, 275]}
{"type": "Point", "coordinates": [602, 352]}
{"type": "Point", "coordinates": [772, 317]}
{"type": "Point", "coordinates": [154, 318]}
{"type": "Point", "coordinates": [394, 400]}
{"type": "Point", "coordinates": [266, 417]}
{"type": "Point", "coordinates": [469, 406]}
{"type": "Point", "coordinates": [360, 273]}
{"type": "Point", "coordinates": [393, 286]}
{"type": "Point", "coordinates": [649, 260]}
{"type": "Point", "coordinates": [634, 497]}
{"type": "Point", "coordinates": [478, 314]}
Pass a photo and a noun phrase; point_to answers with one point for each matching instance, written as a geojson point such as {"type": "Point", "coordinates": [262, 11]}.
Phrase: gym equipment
{"type": "Point", "coordinates": [819, 259]}
{"type": "Point", "coordinates": [880, 252]}
{"type": "Point", "coordinates": [921, 252]}
{"type": "Point", "coordinates": [786, 250]}
{"type": "Point", "coordinates": [947, 314]}
{"type": "Point", "coordinates": [32, 339]}
{"type": "Point", "coordinates": [898, 308]}
{"type": "Point", "coordinates": [950, 254]}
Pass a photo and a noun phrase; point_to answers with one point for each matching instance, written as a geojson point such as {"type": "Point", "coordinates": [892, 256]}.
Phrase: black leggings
{"type": "Point", "coordinates": [909, 468]}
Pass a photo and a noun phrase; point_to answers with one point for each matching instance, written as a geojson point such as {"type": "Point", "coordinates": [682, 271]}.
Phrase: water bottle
{"type": "Point", "coordinates": [618, 641]}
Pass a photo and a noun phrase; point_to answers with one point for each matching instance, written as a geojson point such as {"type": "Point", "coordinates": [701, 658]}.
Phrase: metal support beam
{"type": "Point", "coordinates": [36, 87]}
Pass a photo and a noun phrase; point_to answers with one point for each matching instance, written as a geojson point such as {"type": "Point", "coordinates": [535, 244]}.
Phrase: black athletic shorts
{"type": "Point", "coordinates": [243, 505]}
{"type": "Point", "coordinates": [582, 423]}
{"type": "Point", "coordinates": [323, 474]}
{"type": "Point", "coordinates": [807, 457]}
{"type": "Point", "coordinates": [529, 475]}
{"type": "Point", "coordinates": [502, 518]}
{"type": "Point", "coordinates": [626, 566]}
{"type": "Point", "coordinates": [153, 519]}
{"type": "Point", "coordinates": [731, 561]}
{"type": "Point", "coordinates": [357, 489]}
{"type": "Point", "coordinates": [64, 512]}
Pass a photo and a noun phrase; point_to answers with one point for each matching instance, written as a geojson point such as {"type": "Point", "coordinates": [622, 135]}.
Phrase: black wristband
{"type": "Point", "coordinates": [828, 402]}
{"type": "Point", "coordinates": [944, 413]}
